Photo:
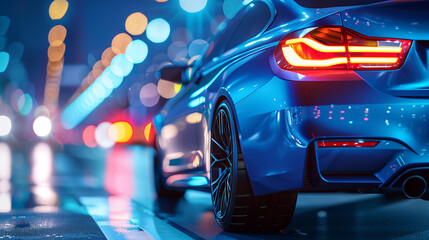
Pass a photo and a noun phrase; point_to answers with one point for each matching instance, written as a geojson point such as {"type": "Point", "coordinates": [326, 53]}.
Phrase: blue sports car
{"type": "Point", "coordinates": [300, 96]}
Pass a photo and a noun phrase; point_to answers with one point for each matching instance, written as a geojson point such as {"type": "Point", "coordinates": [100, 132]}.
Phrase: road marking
{"type": "Point", "coordinates": [121, 218]}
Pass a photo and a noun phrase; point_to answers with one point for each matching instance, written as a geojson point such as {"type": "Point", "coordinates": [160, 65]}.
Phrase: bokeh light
{"type": "Point", "coordinates": [55, 54]}
{"type": "Point", "coordinates": [169, 131]}
{"type": "Point", "coordinates": [42, 126]}
{"type": "Point", "coordinates": [197, 47]}
{"type": "Point", "coordinates": [102, 135]}
{"type": "Point", "coordinates": [137, 50]}
{"type": "Point", "coordinates": [121, 65]}
{"type": "Point", "coordinates": [147, 132]}
{"type": "Point", "coordinates": [88, 136]}
{"type": "Point", "coordinates": [120, 132]}
{"type": "Point", "coordinates": [25, 104]}
{"type": "Point", "coordinates": [55, 68]}
{"type": "Point", "coordinates": [107, 56]}
{"type": "Point", "coordinates": [120, 43]}
{"type": "Point", "coordinates": [4, 24]}
{"type": "Point", "coordinates": [136, 23]}
{"type": "Point", "coordinates": [91, 98]}
{"type": "Point", "coordinates": [193, 6]}
{"type": "Point", "coordinates": [4, 61]}
{"type": "Point", "coordinates": [231, 7]}
{"type": "Point", "coordinates": [177, 51]}
{"type": "Point", "coordinates": [149, 95]}
{"type": "Point", "coordinates": [14, 98]}
{"type": "Point", "coordinates": [97, 69]}
{"type": "Point", "coordinates": [214, 24]}
{"type": "Point", "coordinates": [41, 110]}
{"type": "Point", "coordinates": [58, 9]}
{"type": "Point", "coordinates": [5, 125]}
{"type": "Point", "coordinates": [168, 89]}
{"type": "Point", "coordinates": [194, 118]}
{"type": "Point", "coordinates": [181, 34]}
{"type": "Point", "coordinates": [158, 30]}
{"type": "Point", "coordinates": [57, 35]}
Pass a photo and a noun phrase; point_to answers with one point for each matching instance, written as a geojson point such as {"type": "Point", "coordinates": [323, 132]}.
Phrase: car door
{"type": "Point", "coordinates": [184, 129]}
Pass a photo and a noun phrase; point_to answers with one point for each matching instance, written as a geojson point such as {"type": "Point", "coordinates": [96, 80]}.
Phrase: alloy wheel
{"type": "Point", "coordinates": [222, 150]}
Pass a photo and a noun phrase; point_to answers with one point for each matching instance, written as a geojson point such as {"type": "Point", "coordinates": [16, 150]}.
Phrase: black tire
{"type": "Point", "coordinates": [159, 181]}
{"type": "Point", "coordinates": [234, 205]}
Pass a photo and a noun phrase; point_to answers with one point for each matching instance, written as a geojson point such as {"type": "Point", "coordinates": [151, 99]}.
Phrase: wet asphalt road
{"type": "Point", "coordinates": [52, 192]}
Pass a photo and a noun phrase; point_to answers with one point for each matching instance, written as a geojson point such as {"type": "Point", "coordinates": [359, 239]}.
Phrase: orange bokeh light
{"type": "Point", "coordinates": [107, 57]}
{"type": "Point", "coordinates": [120, 43]}
{"type": "Point", "coordinates": [147, 132]}
{"type": "Point", "coordinates": [55, 54]}
{"type": "Point", "coordinates": [57, 35]}
{"type": "Point", "coordinates": [58, 9]}
{"type": "Point", "coordinates": [97, 69]}
{"type": "Point", "coordinates": [136, 23]}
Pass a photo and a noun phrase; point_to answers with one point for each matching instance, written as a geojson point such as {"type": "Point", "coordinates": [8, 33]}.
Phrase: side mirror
{"type": "Point", "coordinates": [174, 74]}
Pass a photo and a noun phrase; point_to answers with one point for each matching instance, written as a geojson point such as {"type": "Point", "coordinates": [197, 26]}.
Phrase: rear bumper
{"type": "Point", "coordinates": [278, 135]}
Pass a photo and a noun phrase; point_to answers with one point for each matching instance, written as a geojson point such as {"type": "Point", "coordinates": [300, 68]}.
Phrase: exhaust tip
{"type": "Point", "coordinates": [414, 186]}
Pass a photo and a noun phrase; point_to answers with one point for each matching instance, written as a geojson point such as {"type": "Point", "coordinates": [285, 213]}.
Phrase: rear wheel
{"type": "Point", "coordinates": [160, 187]}
{"type": "Point", "coordinates": [234, 205]}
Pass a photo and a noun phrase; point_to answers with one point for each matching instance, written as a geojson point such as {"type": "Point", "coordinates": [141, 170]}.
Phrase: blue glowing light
{"type": "Point", "coordinates": [90, 99]}
{"type": "Point", "coordinates": [4, 24]}
{"type": "Point", "coordinates": [158, 30]}
{"type": "Point", "coordinates": [231, 7]}
{"type": "Point", "coordinates": [193, 6]}
{"type": "Point", "coordinates": [137, 51]}
{"type": "Point", "coordinates": [111, 78]}
{"type": "Point", "coordinates": [197, 47]}
{"type": "Point", "coordinates": [4, 61]}
{"type": "Point", "coordinates": [197, 102]}
{"type": "Point", "coordinates": [25, 104]}
{"type": "Point", "coordinates": [108, 77]}
{"type": "Point", "coordinates": [198, 181]}
{"type": "Point", "coordinates": [121, 65]}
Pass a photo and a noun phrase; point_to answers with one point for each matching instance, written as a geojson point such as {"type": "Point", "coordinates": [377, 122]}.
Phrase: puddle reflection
{"type": "Point", "coordinates": [5, 162]}
{"type": "Point", "coordinates": [41, 164]}
{"type": "Point", "coordinates": [119, 172]}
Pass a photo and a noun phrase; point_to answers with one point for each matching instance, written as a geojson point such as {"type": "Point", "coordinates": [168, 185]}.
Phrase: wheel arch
{"type": "Point", "coordinates": [224, 95]}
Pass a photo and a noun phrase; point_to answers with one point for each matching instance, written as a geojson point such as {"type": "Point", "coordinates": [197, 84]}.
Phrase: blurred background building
{"type": "Point", "coordinates": [84, 72]}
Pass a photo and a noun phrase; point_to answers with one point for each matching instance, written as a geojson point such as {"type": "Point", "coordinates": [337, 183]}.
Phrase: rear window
{"type": "Point", "coordinates": [334, 3]}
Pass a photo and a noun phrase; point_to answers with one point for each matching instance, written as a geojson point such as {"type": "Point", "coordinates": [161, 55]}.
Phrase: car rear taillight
{"type": "Point", "coordinates": [360, 143]}
{"type": "Point", "coordinates": [340, 48]}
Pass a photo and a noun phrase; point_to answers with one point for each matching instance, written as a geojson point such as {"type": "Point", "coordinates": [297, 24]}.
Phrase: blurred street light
{"type": "Point", "coordinates": [5, 125]}
{"type": "Point", "coordinates": [42, 126]}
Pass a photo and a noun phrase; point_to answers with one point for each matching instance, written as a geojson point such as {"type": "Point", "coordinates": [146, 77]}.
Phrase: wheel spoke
{"type": "Point", "coordinates": [218, 145]}
{"type": "Point", "coordinates": [222, 177]}
{"type": "Point", "coordinates": [220, 189]}
{"type": "Point", "coordinates": [220, 160]}
{"type": "Point", "coordinates": [222, 152]}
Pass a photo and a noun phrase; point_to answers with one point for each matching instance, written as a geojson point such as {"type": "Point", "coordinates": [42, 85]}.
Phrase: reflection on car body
{"type": "Point", "coordinates": [300, 96]}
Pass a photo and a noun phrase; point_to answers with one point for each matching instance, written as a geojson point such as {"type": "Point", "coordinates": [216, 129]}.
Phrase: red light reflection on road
{"type": "Point", "coordinates": [119, 209]}
{"type": "Point", "coordinates": [119, 172]}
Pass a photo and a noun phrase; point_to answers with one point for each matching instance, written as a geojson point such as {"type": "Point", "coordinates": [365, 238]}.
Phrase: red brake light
{"type": "Point", "coordinates": [340, 48]}
{"type": "Point", "coordinates": [324, 144]}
